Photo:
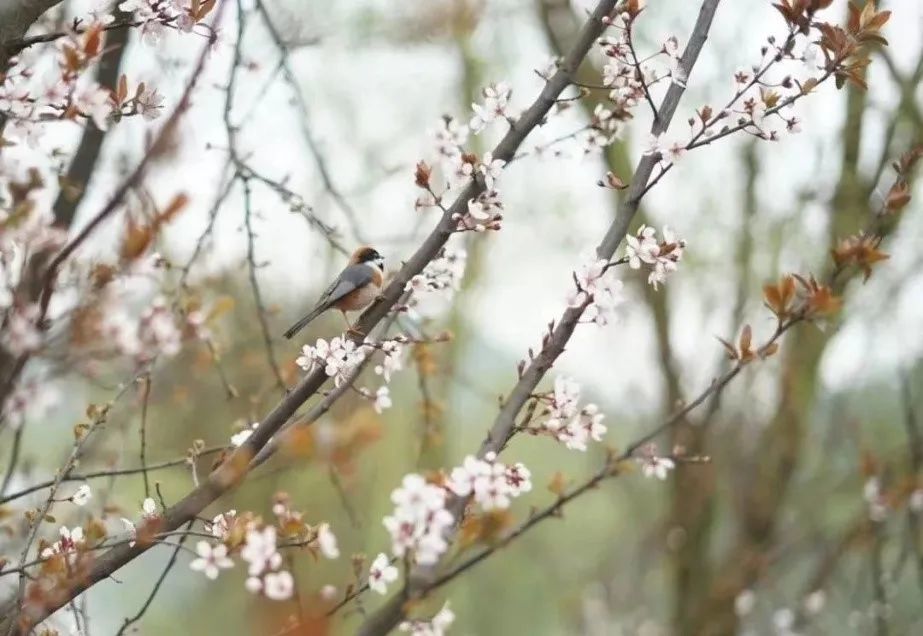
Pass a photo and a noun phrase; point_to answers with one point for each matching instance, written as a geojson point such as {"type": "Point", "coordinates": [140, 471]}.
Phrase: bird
{"type": "Point", "coordinates": [355, 288]}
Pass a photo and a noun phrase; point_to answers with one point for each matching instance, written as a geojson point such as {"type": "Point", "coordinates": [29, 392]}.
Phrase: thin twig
{"type": "Point", "coordinates": [157, 585]}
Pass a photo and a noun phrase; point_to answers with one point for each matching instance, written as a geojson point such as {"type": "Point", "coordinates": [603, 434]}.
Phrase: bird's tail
{"type": "Point", "coordinates": [301, 324]}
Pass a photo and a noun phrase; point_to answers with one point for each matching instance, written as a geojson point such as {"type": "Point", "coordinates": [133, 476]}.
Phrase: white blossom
{"type": "Point", "coordinates": [450, 137]}
{"type": "Point", "coordinates": [496, 106]}
{"type": "Point", "coordinates": [212, 559]}
{"type": "Point", "coordinates": [661, 257]}
{"type": "Point", "coordinates": [238, 439]}
{"type": "Point", "coordinates": [94, 102]}
{"type": "Point", "coordinates": [381, 573]}
{"type": "Point", "coordinates": [491, 484]}
{"type": "Point", "coordinates": [491, 169]}
{"type": "Point", "coordinates": [382, 399]}
{"type": "Point", "coordinates": [658, 467]}
{"type": "Point", "coordinates": [418, 521]}
{"type": "Point", "coordinates": [220, 525]}
{"type": "Point", "coordinates": [149, 103]}
{"type": "Point", "coordinates": [327, 541]}
{"type": "Point", "coordinates": [596, 282]}
{"type": "Point", "coordinates": [278, 586]}
{"type": "Point", "coordinates": [260, 551]}
{"type": "Point", "coordinates": [82, 496]}
{"type": "Point", "coordinates": [391, 361]}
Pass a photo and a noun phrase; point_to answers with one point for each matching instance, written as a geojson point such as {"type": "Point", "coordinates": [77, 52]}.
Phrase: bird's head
{"type": "Point", "coordinates": [369, 256]}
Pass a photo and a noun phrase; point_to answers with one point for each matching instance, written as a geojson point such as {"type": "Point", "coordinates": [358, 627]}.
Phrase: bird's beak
{"type": "Point", "coordinates": [380, 261]}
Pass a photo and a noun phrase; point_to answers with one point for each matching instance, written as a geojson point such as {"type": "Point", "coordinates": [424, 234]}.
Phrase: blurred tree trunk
{"type": "Point", "coordinates": [776, 457]}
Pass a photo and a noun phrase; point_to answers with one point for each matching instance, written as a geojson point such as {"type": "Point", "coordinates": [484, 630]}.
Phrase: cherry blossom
{"type": "Point", "coordinates": [338, 357]}
{"type": "Point", "coordinates": [484, 213]}
{"type": "Point", "coordinates": [381, 573]}
{"type": "Point", "coordinates": [434, 287]}
{"type": "Point", "coordinates": [671, 49]}
{"type": "Point", "coordinates": [148, 511]}
{"type": "Point", "coordinates": [655, 466]}
{"type": "Point", "coordinates": [450, 138]}
{"type": "Point", "coordinates": [94, 102]}
{"type": "Point", "coordinates": [392, 360]}
{"type": "Point", "coordinates": [211, 560]}
{"type": "Point", "coordinates": [149, 103]}
{"type": "Point", "coordinates": [489, 482]}
{"type": "Point", "coordinates": [238, 439]}
{"type": "Point", "coordinates": [220, 525]}
{"type": "Point", "coordinates": [565, 399]}
{"type": "Point", "coordinates": [278, 586]}
{"type": "Point", "coordinates": [496, 106]}
{"type": "Point", "coordinates": [491, 169]}
{"type": "Point", "coordinates": [260, 551]}
{"type": "Point", "coordinates": [577, 432]}
{"type": "Point", "coordinates": [382, 399]}
{"type": "Point", "coordinates": [82, 496]}
{"type": "Point", "coordinates": [327, 541]}
{"type": "Point", "coordinates": [418, 521]}
{"type": "Point", "coordinates": [70, 542]}
{"type": "Point", "coordinates": [566, 421]}
{"type": "Point", "coordinates": [662, 257]}
{"type": "Point", "coordinates": [597, 291]}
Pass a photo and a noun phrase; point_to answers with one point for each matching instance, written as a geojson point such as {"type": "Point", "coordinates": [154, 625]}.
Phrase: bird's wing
{"type": "Point", "coordinates": [351, 278]}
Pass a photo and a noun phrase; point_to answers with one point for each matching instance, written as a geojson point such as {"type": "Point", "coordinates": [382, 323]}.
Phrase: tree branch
{"type": "Point", "coordinates": [393, 611]}
{"type": "Point", "coordinates": [235, 468]}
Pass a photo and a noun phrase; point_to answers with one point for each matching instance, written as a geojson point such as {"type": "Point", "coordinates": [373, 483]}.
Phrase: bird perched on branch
{"type": "Point", "coordinates": [354, 289]}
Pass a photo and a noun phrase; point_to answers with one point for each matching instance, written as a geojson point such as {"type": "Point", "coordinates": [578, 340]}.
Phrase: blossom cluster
{"type": "Point", "coordinates": [484, 212]}
{"type": "Point", "coordinates": [72, 539]}
{"type": "Point", "coordinates": [434, 287]}
{"type": "Point", "coordinates": [340, 357]}
{"type": "Point", "coordinates": [442, 274]}
{"type": "Point", "coordinates": [258, 545]}
{"type": "Point", "coordinates": [597, 290]}
{"type": "Point", "coordinates": [419, 520]}
{"type": "Point", "coordinates": [496, 107]}
{"type": "Point", "coordinates": [565, 420]}
{"type": "Point", "coordinates": [490, 483]}
{"type": "Point", "coordinates": [661, 257]}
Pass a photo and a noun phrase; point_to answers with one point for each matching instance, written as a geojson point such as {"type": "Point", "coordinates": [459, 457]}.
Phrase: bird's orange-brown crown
{"type": "Point", "coordinates": [365, 254]}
